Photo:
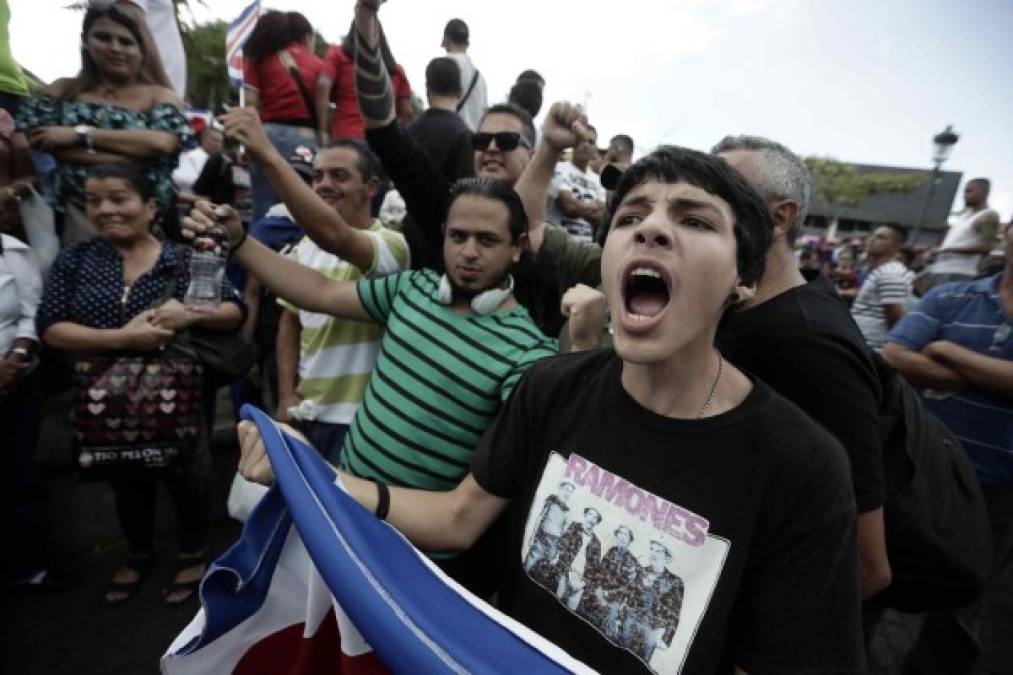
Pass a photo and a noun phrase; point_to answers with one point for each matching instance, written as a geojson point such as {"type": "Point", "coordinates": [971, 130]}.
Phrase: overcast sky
{"type": "Point", "coordinates": [859, 80]}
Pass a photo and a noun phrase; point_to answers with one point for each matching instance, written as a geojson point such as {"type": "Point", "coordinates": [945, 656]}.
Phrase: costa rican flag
{"type": "Point", "coordinates": [238, 33]}
{"type": "Point", "coordinates": [317, 584]}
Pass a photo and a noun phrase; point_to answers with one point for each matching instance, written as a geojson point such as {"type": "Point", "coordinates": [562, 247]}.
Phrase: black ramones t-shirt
{"type": "Point", "coordinates": [806, 346]}
{"type": "Point", "coordinates": [644, 543]}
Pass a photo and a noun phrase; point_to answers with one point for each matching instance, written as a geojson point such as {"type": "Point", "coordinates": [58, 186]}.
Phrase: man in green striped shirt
{"type": "Point", "coordinates": [455, 345]}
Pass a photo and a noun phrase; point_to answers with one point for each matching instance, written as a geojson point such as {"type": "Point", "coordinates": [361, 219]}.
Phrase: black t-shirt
{"type": "Point", "coordinates": [805, 345]}
{"type": "Point", "coordinates": [640, 542]}
{"type": "Point", "coordinates": [447, 140]}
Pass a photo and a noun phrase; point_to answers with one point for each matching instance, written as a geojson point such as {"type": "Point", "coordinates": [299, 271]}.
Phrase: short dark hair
{"type": "Point", "coordinates": [623, 140]}
{"type": "Point", "coordinates": [899, 231]}
{"type": "Point", "coordinates": [526, 94]}
{"type": "Point", "coordinates": [672, 164]}
{"type": "Point", "coordinates": [496, 190]}
{"type": "Point", "coordinates": [985, 183]}
{"type": "Point", "coordinates": [133, 177]}
{"type": "Point", "coordinates": [443, 77]}
{"type": "Point", "coordinates": [299, 27]}
{"type": "Point", "coordinates": [531, 76]}
{"type": "Point", "coordinates": [457, 32]}
{"type": "Point", "coordinates": [527, 125]}
{"type": "Point", "coordinates": [366, 163]}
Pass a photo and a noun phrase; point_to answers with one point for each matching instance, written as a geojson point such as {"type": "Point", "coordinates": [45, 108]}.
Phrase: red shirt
{"type": "Point", "coordinates": [280, 99]}
{"type": "Point", "coordinates": [347, 122]}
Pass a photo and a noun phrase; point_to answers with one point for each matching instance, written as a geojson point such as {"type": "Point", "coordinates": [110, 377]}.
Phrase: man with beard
{"type": "Point", "coordinates": [665, 430]}
{"type": "Point", "coordinates": [502, 147]}
{"type": "Point", "coordinates": [454, 344]}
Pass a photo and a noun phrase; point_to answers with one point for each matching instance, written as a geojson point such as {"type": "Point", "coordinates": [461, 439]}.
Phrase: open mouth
{"type": "Point", "coordinates": [645, 292]}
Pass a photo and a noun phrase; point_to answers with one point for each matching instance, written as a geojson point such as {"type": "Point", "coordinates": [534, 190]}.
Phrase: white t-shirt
{"type": "Point", "coordinates": [966, 230]}
{"type": "Point", "coordinates": [20, 291]}
{"type": "Point", "coordinates": [585, 186]}
{"type": "Point", "coordinates": [477, 102]}
{"type": "Point", "coordinates": [888, 284]}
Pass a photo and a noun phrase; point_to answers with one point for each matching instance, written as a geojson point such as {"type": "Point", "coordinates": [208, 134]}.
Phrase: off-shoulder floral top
{"type": "Point", "coordinates": [43, 110]}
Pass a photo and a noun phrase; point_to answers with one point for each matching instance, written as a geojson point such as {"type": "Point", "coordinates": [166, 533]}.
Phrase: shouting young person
{"type": "Point", "coordinates": [736, 508]}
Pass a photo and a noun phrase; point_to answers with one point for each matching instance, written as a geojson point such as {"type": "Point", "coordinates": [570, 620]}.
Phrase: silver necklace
{"type": "Point", "coordinates": [714, 387]}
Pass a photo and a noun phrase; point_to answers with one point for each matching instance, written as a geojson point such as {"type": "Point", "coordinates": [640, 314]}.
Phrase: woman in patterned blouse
{"type": "Point", "coordinates": [98, 298]}
{"type": "Point", "coordinates": [118, 109]}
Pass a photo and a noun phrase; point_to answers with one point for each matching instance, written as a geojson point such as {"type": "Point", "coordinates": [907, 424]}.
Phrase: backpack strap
{"type": "Point", "coordinates": [293, 71]}
{"type": "Point", "coordinates": [467, 94]}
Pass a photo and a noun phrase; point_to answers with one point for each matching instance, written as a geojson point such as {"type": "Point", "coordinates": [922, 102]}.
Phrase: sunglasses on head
{"type": "Point", "coordinates": [505, 140]}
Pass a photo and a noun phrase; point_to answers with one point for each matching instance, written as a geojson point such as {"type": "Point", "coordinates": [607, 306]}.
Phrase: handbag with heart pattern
{"type": "Point", "coordinates": [135, 412]}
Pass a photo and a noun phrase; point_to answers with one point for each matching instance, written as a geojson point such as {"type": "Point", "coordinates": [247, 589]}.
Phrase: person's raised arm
{"type": "Point", "coordinates": [442, 521]}
{"type": "Point", "coordinates": [321, 222]}
{"type": "Point", "coordinates": [564, 124]}
{"type": "Point", "coordinates": [303, 287]}
{"type": "Point", "coordinates": [420, 182]}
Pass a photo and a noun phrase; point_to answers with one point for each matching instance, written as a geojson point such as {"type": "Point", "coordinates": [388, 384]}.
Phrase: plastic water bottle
{"type": "Point", "coordinates": [207, 270]}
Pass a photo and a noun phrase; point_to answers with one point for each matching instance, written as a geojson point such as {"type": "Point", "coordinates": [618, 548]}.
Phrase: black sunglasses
{"type": "Point", "coordinates": [505, 140]}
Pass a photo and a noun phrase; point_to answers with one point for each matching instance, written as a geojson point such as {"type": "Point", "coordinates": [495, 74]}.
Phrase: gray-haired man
{"type": "Point", "coordinates": [798, 336]}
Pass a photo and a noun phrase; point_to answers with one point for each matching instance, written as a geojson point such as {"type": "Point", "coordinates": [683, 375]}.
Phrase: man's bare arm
{"type": "Point", "coordinates": [874, 572]}
{"type": "Point", "coordinates": [321, 222]}
{"type": "Point", "coordinates": [987, 373]}
{"type": "Point", "coordinates": [286, 350]}
{"type": "Point", "coordinates": [563, 124]}
{"type": "Point", "coordinates": [439, 521]}
{"type": "Point", "coordinates": [920, 369]}
{"type": "Point", "coordinates": [303, 287]}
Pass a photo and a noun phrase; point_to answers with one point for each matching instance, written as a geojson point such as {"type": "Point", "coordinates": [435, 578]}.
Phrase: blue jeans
{"type": "Point", "coordinates": [286, 139]}
{"type": "Point", "coordinates": [327, 438]}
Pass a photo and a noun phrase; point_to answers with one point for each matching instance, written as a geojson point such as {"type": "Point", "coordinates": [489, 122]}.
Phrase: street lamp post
{"type": "Point", "coordinates": [942, 145]}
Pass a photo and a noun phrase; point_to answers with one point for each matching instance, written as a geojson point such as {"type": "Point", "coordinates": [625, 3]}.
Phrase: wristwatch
{"type": "Point", "coordinates": [84, 138]}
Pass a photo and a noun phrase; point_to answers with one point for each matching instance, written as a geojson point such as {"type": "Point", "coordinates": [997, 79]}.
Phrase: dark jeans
{"type": "Point", "coordinates": [327, 438]}
{"type": "Point", "coordinates": [188, 489]}
{"type": "Point", "coordinates": [23, 492]}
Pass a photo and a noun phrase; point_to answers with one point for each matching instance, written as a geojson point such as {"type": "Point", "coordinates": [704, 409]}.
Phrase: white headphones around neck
{"type": "Point", "coordinates": [485, 302]}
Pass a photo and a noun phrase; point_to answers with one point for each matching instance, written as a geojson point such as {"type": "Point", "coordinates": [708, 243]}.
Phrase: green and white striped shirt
{"type": "Point", "coordinates": [337, 355]}
{"type": "Point", "coordinates": [439, 382]}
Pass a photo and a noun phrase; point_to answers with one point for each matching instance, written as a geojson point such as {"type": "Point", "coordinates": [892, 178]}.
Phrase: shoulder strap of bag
{"type": "Point", "coordinates": [467, 94]}
{"type": "Point", "coordinates": [293, 71]}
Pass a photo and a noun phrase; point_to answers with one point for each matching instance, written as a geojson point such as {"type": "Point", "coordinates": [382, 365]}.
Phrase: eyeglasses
{"type": "Point", "coordinates": [505, 141]}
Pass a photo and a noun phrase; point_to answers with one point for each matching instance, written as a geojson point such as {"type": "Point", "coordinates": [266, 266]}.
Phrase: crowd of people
{"type": "Point", "coordinates": [659, 397]}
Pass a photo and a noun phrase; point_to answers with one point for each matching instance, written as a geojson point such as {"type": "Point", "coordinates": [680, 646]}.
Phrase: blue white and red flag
{"type": "Point", "coordinates": [317, 584]}
{"type": "Point", "coordinates": [238, 33]}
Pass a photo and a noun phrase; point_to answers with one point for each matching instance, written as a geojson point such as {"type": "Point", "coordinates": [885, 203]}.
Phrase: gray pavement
{"type": "Point", "coordinates": [73, 631]}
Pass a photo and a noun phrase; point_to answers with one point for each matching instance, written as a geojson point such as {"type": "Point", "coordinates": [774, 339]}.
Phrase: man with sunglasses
{"type": "Point", "coordinates": [958, 345]}
{"type": "Point", "coordinates": [503, 146]}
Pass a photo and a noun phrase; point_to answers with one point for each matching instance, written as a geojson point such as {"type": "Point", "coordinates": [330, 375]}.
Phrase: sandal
{"type": "Point", "coordinates": [177, 592]}
{"type": "Point", "coordinates": [140, 565]}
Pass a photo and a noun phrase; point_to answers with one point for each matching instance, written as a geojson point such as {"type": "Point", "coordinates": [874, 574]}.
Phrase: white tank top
{"type": "Point", "coordinates": [962, 234]}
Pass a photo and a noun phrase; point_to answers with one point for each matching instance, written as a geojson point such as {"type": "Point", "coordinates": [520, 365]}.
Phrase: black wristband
{"type": "Point", "coordinates": [242, 240]}
{"type": "Point", "coordinates": [382, 500]}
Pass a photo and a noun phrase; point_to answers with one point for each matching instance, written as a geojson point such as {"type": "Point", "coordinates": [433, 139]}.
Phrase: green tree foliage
{"type": "Point", "coordinates": [207, 80]}
{"type": "Point", "coordinates": [841, 185]}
